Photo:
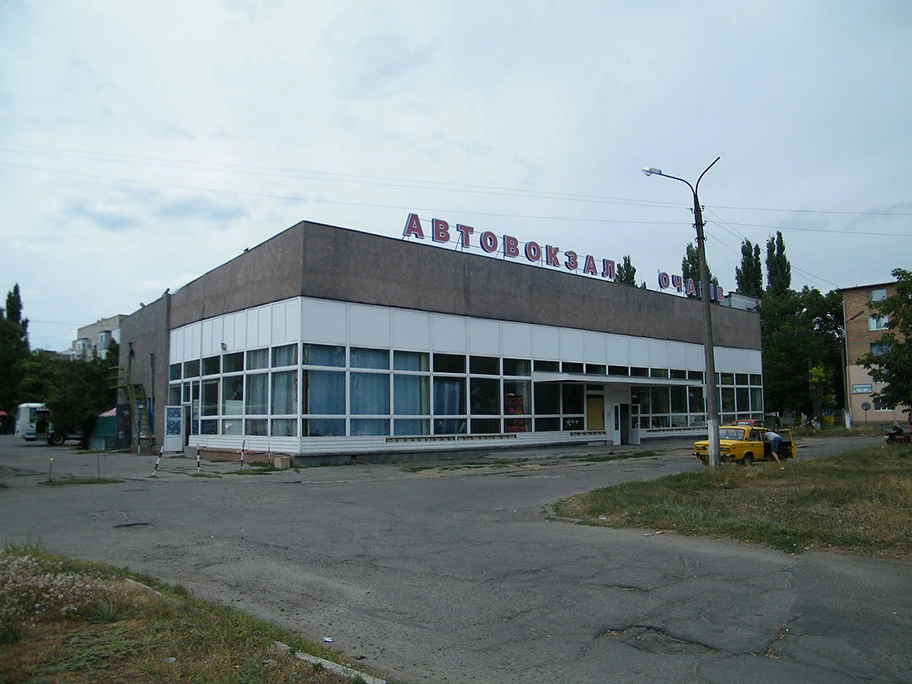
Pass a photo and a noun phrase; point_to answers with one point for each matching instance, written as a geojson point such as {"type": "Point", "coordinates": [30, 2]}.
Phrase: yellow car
{"type": "Point", "coordinates": [744, 444]}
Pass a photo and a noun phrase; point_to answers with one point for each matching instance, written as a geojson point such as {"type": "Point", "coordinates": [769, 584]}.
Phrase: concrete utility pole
{"type": "Point", "coordinates": [709, 379]}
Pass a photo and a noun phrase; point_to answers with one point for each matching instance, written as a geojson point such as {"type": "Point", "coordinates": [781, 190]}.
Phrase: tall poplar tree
{"type": "Point", "coordinates": [690, 267]}
{"type": "Point", "coordinates": [626, 273]}
{"type": "Point", "coordinates": [749, 276]}
{"type": "Point", "coordinates": [14, 348]}
{"type": "Point", "coordinates": [778, 268]}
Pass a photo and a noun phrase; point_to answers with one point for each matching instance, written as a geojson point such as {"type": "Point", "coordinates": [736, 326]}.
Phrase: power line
{"type": "Point", "coordinates": [392, 181]}
{"type": "Point", "coordinates": [298, 198]}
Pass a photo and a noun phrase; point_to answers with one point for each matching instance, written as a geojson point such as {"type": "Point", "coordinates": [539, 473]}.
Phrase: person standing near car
{"type": "Point", "coordinates": [775, 441]}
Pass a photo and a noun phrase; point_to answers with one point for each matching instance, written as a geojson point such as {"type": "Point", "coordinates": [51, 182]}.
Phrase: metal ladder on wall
{"type": "Point", "coordinates": [139, 405]}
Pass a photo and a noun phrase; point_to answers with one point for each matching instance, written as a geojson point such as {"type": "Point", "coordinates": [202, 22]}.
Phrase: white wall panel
{"type": "Point", "coordinates": [411, 330]}
{"type": "Point", "coordinates": [616, 350]}
{"type": "Point", "coordinates": [206, 347]}
{"type": "Point", "coordinates": [516, 340]}
{"type": "Point", "coordinates": [638, 351]}
{"type": "Point", "coordinates": [293, 320]}
{"type": "Point", "coordinates": [176, 346]}
{"type": "Point", "coordinates": [677, 355]}
{"type": "Point", "coordinates": [725, 359]}
{"type": "Point", "coordinates": [192, 342]}
{"type": "Point", "coordinates": [571, 345]}
{"type": "Point", "coordinates": [323, 321]}
{"type": "Point", "coordinates": [594, 347]}
{"type": "Point", "coordinates": [448, 333]}
{"type": "Point", "coordinates": [277, 316]}
{"type": "Point", "coordinates": [240, 330]}
{"type": "Point", "coordinates": [265, 328]}
{"type": "Point", "coordinates": [694, 357]}
{"type": "Point", "coordinates": [253, 328]}
{"type": "Point", "coordinates": [658, 354]}
{"type": "Point", "coordinates": [484, 337]}
{"type": "Point", "coordinates": [545, 343]}
{"type": "Point", "coordinates": [368, 326]}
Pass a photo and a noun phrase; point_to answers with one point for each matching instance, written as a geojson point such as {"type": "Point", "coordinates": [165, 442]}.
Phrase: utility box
{"type": "Point", "coordinates": [281, 462]}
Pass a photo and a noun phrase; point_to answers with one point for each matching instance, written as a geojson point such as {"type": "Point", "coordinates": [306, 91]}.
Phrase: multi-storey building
{"type": "Point", "coordinates": [863, 334]}
{"type": "Point", "coordinates": [94, 339]}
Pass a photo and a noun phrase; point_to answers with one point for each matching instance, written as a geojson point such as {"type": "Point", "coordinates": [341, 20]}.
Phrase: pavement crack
{"type": "Point", "coordinates": [656, 640]}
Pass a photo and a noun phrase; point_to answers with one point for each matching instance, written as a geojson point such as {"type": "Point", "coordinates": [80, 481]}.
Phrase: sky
{"type": "Point", "coordinates": [144, 143]}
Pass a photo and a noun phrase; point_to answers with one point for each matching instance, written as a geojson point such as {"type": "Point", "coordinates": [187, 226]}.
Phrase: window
{"type": "Point", "coordinates": [324, 355]}
{"type": "Point", "coordinates": [285, 427]}
{"type": "Point", "coordinates": [881, 405]}
{"type": "Point", "coordinates": [210, 406]}
{"type": "Point", "coordinates": [410, 361]}
{"type": "Point", "coordinates": [256, 401]}
{"type": "Point", "coordinates": [547, 366]}
{"type": "Point", "coordinates": [324, 394]}
{"type": "Point", "coordinates": [370, 395]}
{"type": "Point", "coordinates": [449, 363]}
{"type": "Point", "coordinates": [257, 358]}
{"type": "Point", "coordinates": [517, 367]}
{"type": "Point", "coordinates": [571, 367]}
{"type": "Point", "coordinates": [878, 322]}
{"type": "Point", "coordinates": [411, 397]}
{"type": "Point", "coordinates": [369, 358]}
{"type": "Point", "coordinates": [596, 369]}
{"type": "Point", "coordinates": [233, 363]}
{"type": "Point", "coordinates": [877, 294]}
{"type": "Point", "coordinates": [285, 393]}
{"type": "Point", "coordinates": [212, 365]}
{"type": "Point", "coordinates": [547, 399]}
{"type": "Point", "coordinates": [233, 395]}
{"type": "Point", "coordinates": [175, 373]}
{"type": "Point", "coordinates": [449, 396]}
{"type": "Point", "coordinates": [879, 348]}
{"type": "Point", "coordinates": [286, 355]}
{"type": "Point", "coordinates": [484, 396]}
{"type": "Point", "coordinates": [191, 368]}
{"type": "Point", "coordinates": [484, 365]}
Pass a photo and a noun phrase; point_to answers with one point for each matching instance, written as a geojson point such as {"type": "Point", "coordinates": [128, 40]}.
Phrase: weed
{"type": "Point", "coordinates": [857, 502]}
{"type": "Point", "coordinates": [60, 482]}
{"type": "Point", "coordinates": [63, 619]}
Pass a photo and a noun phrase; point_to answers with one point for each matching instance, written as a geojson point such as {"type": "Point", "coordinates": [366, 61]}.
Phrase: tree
{"type": "Point", "coordinates": [778, 268]}
{"type": "Point", "coordinates": [690, 267]}
{"type": "Point", "coordinates": [820, 383]}
{"type": "Point", "coordinates": [14, 348]}
{"type": "Point", "coordinates": [626, 273]}
{"type": "Point", "coordinates": [749, 276]}
{"type": "Point", "coordinates": [800, 331]}
{"type": "Point", "coordinates": [892, 365]}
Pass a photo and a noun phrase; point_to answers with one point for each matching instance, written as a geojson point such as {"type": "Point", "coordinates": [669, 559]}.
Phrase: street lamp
{"type": "Point", "coordinates": [712, 396]}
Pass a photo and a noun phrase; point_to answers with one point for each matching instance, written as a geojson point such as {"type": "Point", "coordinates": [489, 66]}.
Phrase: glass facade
{"type": "Point", "coordinates": [318, 390]}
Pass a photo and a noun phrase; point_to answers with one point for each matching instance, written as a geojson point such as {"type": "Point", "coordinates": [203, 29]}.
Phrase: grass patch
{"type": "Point", "coordinates": [859, 502]}
{"type": "Point", "coordinates": [67, 620]}
{"type": "Point", "coordinates": [70, 480]}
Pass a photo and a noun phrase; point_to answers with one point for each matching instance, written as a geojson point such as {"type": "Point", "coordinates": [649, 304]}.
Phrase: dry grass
{"type": "Point", "coordinates": [859, 502]}
{"type": "Point", "coordinates": [68, 621]}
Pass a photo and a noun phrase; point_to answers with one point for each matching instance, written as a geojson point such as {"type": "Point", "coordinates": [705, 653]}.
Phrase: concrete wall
{"type": "Point", "coordinates": [322, 261]}
{"type": "Point", "coordinates": [268, 272]}
{"type": "Point", "coordinates": [145, 332]}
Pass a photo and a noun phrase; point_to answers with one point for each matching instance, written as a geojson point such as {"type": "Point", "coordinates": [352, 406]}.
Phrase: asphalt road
{"type": "Point", "coordinates": [460, 575]}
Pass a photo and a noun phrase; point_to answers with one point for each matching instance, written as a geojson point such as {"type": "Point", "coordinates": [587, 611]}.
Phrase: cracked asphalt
{"type": "Point", "coordinates": [461, 575]}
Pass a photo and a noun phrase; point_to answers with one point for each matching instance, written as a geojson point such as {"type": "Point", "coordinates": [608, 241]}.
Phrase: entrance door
{"type": "Point", "coordinates": [624, 420]}
{"type": "Point", "coordinates": [174, 428]}
{"type": "Point", "coordinates": [595, 412]}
